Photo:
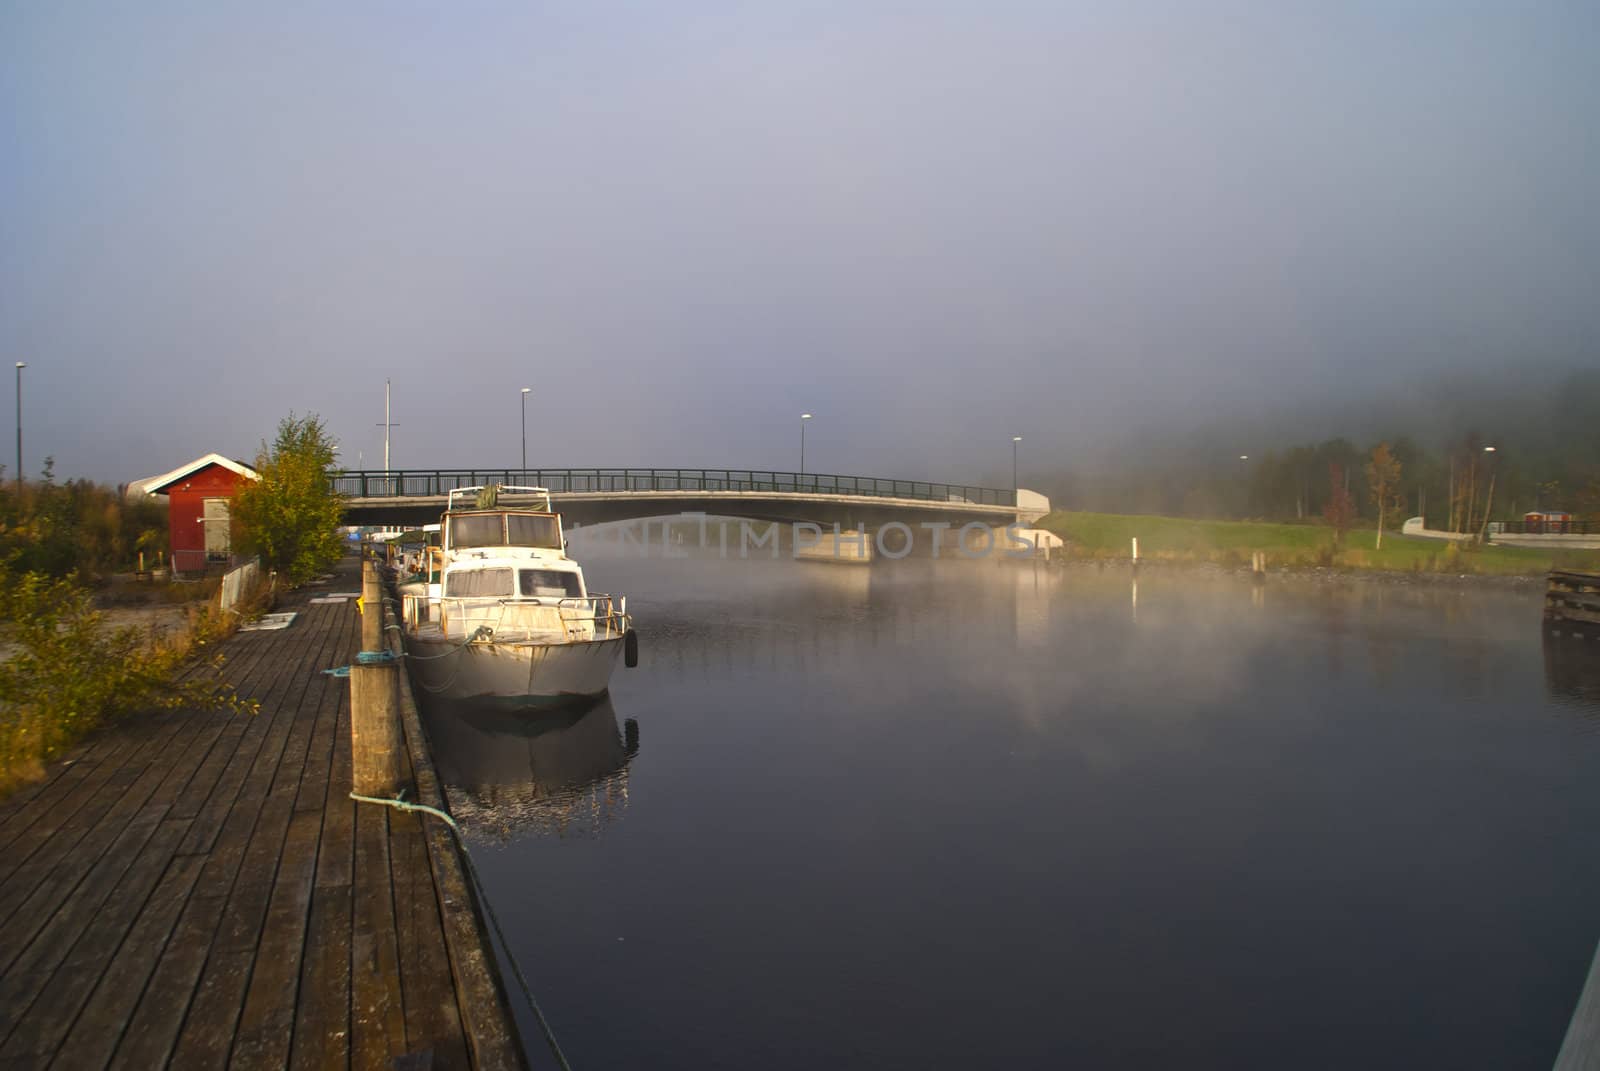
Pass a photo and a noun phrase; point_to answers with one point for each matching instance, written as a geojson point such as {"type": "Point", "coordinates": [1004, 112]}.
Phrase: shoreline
{"type": "Point", "coordinates": [1316, 573]}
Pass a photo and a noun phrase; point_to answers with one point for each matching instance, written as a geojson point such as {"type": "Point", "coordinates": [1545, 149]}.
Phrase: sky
{"type": "Point", "coordinates": [932, 225]}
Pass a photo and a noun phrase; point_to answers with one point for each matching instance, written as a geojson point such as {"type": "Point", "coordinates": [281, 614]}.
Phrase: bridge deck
{"type": "Point", "coordinates": [196, 889]}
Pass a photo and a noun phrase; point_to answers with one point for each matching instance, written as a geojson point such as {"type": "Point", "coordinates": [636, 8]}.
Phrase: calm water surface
{"type": "Point", "coordinates": [971, 815]}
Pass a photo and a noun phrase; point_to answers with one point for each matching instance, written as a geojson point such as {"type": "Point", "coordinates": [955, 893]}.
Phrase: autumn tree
{"type": "Point", "coordinates": [290, 516]}
{"type": "Point", "coordinates": [1383, 484]}
{"type": "Point", "coordinates": [1341, 508]}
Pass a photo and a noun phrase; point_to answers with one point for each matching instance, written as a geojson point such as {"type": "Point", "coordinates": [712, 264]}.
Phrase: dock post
{"type": "Point", "coordinates": [377, 748]}
{"type": "Point", "coordinates": [371, 607]}
{"type": "Point", "coordinates": [1136, 555]}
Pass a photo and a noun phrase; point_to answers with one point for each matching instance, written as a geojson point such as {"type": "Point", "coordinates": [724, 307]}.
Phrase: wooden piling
{"type": "Point", "coordinates": [371, 607]}
{"type": "Point", "coordinates": [1572, 603]}
{"type": "Point", "coordinates": [376, 745]}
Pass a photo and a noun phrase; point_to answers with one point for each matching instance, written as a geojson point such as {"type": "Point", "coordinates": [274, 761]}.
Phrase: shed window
{"type": "Point", "coordinates": [478, 582]}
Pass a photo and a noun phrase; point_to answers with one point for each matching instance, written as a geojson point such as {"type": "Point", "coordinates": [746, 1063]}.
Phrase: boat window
{"type": "Point", "coordinates": [526, 531]}
{"type": "Point", "coordinates": [486, 530]}
{"type": "Point", "coordinates": [550, 584]}
{"type": "Point", "coordinates": [469, 582]}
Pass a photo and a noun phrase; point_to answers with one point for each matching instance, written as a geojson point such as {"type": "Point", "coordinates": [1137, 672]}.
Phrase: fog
{"type": "Point", "coordinates": [934, 226]}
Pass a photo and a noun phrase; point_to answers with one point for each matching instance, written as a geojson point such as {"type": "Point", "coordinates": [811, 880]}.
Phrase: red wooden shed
{"type": "Point", "coordinates": [1547, 521]}
{"type": "Point", "coordinates": [197, 509]}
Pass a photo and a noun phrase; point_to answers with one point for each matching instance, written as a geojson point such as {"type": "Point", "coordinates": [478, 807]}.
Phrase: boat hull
{"type": "Point", "coordinates": [513, 674]}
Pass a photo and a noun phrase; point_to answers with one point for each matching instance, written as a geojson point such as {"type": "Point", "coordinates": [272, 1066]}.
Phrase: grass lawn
{"type": "Point", "coordinates": [1101, 535]}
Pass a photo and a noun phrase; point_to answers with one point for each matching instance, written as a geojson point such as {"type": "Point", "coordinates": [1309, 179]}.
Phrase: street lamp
{"type": "Point", "coordinates": [20, 366]}
{"type": "Point", "coordinates": [1015, 439]}
{"type": "Point", "coordinates": [803, 418]}
{"type": "Point", "coordinates": [525, 391]}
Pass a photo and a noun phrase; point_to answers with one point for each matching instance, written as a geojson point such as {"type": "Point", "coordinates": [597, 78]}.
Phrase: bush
{"type": "Point", "coordinates": [69, 672]}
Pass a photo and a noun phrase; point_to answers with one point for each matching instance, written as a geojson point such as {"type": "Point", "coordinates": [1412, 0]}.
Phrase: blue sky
{"type": "Point", "coordinates": [932, 225]}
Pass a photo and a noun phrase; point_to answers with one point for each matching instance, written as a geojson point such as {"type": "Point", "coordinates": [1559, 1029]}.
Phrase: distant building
{"type": "Point", "coordinates": [198, 496]}
{"type": "Point", "coordinates": [1553, 522]}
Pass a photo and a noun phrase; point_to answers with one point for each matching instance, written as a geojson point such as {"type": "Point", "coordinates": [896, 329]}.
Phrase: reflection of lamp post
{"type": "Point", "coordinates": [1488, 499]}
{"type": "Point", "coordinates": [20, 366]}
{"type": "Point", "coordinates": [525, 391]}
{"type": "Point", "coordinates": [1015, 439]}
{"type": "Point", "coordinates": [803, 418]}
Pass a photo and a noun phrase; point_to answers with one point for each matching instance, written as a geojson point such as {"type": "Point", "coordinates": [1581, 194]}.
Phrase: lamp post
{"type": "Point", "coordinates": [20, 366]}
{"type": "Point", "coordinates": [525, 391]}
{"type": "Point", "coordinates": [1015, 439]}
{"type": "Point", "coordinates": [803, 418]}
{"type": "Point", "coordinates": [1488, 502]}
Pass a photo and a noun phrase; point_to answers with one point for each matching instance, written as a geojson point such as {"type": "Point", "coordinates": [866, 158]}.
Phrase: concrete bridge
{"type": "Point", "coordinates": [598, 496]}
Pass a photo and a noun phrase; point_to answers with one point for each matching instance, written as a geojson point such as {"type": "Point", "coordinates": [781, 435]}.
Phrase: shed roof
{"type": "Point", "coordinates": [156, 485]}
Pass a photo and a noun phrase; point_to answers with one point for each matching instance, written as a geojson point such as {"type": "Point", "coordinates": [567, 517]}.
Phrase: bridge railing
{"type": "Point", "coordinates": [438, 482]}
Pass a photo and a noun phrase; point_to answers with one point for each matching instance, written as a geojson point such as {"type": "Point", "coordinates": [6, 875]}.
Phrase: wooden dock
{"type": "Point", "coordinates": [196, 889]}
{"type": "Point", "coordinates": [1572, 603]}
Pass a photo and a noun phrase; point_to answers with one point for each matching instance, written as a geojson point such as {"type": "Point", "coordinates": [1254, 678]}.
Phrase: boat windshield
{"type": "Point", "coordinates": [550, 583]}
{"type": "Point", "coordinates": [505, 529]}
{"type": "Point", "coordinates": [524, 530]}
{"type": "Point", "coordinates": [461, 583]}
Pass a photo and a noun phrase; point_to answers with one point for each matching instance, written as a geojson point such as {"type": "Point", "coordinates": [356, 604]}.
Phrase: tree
{"type": "Point", "coordinates": [290, 515]}
{"type": "Point", "coordinates": [1341, 508]}
{"type": "Point", "coordinates": [1383, 483]}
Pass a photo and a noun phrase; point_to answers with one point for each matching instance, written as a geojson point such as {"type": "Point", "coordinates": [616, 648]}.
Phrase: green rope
{"type": "Point", "coordinates": [494, 920]}
{"type": "Point", "coordinates": [379, 657]}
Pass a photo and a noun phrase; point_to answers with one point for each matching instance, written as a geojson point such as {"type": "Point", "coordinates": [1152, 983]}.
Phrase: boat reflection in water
{"type": "Point", "coordinates": [512, 774]}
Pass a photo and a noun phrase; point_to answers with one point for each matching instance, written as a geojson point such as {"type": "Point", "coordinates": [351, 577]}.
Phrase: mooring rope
{"type": "Point", "coordinates": [494, 920]}
{"type": "Point", "coordinates": [479, 631]}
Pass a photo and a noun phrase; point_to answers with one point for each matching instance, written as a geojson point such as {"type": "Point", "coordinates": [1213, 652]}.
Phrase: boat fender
{"type": "Point", "coordinates": [630, 648]}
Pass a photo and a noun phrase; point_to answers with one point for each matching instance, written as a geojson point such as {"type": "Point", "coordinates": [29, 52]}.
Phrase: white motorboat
{"type": "Point", "coordinates": [502, 614]}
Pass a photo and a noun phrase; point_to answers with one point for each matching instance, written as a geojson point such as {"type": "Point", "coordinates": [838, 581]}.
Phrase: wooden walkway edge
{"type": "Point", "coordinates": [197, 889]}
{"type": "Point", "coordinates": [1580, 1049]}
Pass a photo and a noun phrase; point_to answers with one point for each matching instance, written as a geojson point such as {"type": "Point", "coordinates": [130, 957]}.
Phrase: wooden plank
{"type": "Point", "coordinates": [337, 865]}
{"type": "Point", "coordinates": [154, 1031]}
{"type": "Point", "coordinates": [221, 900]}
{"type": "Point", "coordinates": [264, 738]}
{"type": "Point", "coordinates": [45, 842]}
{"type": "Point", "coordinates": [42, 798]}
{"type": "Point", "coordinates": [106, 748]}
{"type": "Point", "coordinates": [377, 1011]}
{"type": "Point", "coordinates": [61, 879]}
{"type": "Point", "coordinates": [82, 860]}
{"type": "Point", "coordinates": [1573, 613]}
{"type": "Point", "coordinates": [322, 1015]}
{"type": "Point", "coordinates": [267, 1021]}
{"type": "Point", "coordinates": [29, 971]}
{"type": "Point", "coordinates": [104, 1019]}
{"type": "Point", "coordinates": [151, 1032]}
{"type": "Point", "coordinates": [208, 1030]}
{"type": "Point", "coordinates": [433, 1024]}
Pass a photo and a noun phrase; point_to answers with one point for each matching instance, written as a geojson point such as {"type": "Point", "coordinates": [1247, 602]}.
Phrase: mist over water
{"type": "Point", "coordinates": [933, 814]}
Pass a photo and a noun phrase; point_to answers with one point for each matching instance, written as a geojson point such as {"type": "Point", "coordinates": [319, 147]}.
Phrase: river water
{"type": "Point", "coordinates": [973, 814]}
